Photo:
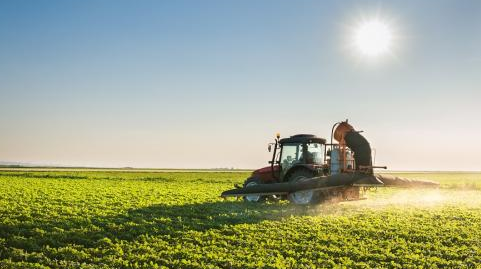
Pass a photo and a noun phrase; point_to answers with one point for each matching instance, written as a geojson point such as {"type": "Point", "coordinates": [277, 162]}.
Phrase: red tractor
{"type": "Point", "coordinates": [294, 159]}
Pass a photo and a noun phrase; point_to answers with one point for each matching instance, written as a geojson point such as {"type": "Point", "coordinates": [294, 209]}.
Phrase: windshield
{"type": "Point", "coordinates": [297, 153]}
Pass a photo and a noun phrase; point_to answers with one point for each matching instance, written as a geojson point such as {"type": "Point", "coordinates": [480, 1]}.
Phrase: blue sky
{"type": "Point", "coordinates": [208, 83]}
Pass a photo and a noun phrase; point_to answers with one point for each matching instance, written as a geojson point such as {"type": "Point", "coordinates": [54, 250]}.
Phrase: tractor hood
{"type": "Point", "coordinates": [265, 174]}
{"type": "Point", "coordinates": [262, 170]}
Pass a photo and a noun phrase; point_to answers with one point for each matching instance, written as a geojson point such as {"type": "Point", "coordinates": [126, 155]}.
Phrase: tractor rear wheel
{"type": "Point", "coordinates": [253, 198]}
{"type": "Point", "coordinates": [303, 197]}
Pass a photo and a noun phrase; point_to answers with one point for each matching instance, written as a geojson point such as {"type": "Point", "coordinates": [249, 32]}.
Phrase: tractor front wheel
{"type": "Point", "coordinates": [254, 198]}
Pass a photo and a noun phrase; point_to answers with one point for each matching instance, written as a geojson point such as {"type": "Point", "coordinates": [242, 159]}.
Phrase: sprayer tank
{"type": "Point", "coordinates": [335, 162]}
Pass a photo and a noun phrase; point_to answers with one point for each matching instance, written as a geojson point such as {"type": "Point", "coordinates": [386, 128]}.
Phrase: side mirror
{"type": "Point", "coordinates": [269, 147]}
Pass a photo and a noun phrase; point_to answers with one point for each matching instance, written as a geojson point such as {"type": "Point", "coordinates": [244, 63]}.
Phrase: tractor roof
{"type": "Point", "coordinates": [303, 138]}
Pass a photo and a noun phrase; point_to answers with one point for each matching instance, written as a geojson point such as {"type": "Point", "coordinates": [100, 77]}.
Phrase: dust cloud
{"type": "Point", "coordinates": [421, 198]}
{"type": "Point", "coordinates": [401, 199]}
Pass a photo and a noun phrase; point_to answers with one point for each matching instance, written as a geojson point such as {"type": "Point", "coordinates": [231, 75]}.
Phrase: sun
{"type": "Point", "coordinates": [372, 38]}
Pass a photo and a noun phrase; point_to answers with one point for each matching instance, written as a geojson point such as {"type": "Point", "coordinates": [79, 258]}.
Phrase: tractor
{"type": "Point", "coordinates": [294, 159]}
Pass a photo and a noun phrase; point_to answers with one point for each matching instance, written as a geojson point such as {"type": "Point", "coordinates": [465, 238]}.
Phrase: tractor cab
{"type": "Point", "coordinates": [303, 150]}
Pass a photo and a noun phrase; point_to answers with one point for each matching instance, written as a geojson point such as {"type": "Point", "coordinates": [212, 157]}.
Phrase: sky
{"type": "Point", "coordinates": [207, 84]}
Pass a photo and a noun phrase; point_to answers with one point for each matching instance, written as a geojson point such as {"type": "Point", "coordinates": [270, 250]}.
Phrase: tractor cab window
{"type": "Point", "coordinates": [291, 154]}
{"type": "Point", "coordinates": [315, 153]}
{"type": "Point", "coordinates": [301, 153]}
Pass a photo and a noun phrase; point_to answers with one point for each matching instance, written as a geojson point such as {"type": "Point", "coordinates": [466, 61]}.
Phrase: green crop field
{"type": "Point", "coordinates": [118, 219]}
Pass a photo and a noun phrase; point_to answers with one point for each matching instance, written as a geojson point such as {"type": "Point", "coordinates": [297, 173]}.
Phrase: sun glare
{"type": "Point", "coordinates": [373, 38]}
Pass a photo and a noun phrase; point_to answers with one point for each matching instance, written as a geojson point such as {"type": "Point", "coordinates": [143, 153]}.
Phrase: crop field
{"type": "Point", "coordinates": [118, 219]}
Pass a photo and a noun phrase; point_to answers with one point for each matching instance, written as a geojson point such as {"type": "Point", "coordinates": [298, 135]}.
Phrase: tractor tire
{"type": "Point", "coordinates": [303, 197]}
{"type": "Point", "coordinates": [253, 198]}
